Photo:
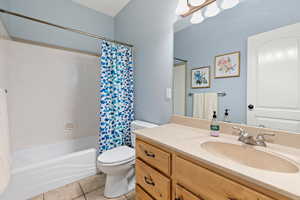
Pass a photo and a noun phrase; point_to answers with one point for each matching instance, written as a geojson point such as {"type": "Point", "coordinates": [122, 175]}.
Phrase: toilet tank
{"type": "Point", "coordinates": [136, 125]}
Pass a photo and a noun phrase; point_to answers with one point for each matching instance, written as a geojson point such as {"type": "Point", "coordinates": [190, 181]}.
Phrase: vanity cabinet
{"type": "Point", "coordinates": [141, 194]}
{"type": "Point", "coordinates": [155, 157]}
{"type": "Point", "coordinates": [152, 181]}
{"type": "Point", "coordinates": [209, 185]}
{"type": "Point", "coordinates": [164, 174]}
{"type": "Point", "coordinates": [183, 194]}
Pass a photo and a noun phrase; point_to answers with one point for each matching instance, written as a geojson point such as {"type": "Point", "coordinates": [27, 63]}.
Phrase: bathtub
{"type": "Point", "coordinates": [40, 169]}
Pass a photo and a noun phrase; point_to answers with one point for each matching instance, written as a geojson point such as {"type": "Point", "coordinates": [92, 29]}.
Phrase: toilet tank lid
{"type": "Point", "coordinates": [137, 124]}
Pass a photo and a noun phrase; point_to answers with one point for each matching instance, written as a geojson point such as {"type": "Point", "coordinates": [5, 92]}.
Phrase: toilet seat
{"type": "Point", "coordinates": [117, 156]}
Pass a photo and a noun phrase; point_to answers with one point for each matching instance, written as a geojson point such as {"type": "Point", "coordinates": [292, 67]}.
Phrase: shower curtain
{"type": "Point", "coordinates": [116, 96]}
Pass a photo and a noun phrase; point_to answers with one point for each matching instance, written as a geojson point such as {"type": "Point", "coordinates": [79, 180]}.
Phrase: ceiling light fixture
{"type": "Point", "coordinates": [182, 7]}
{"type": "Point", "coordinates": [210, 8]}
{"type": "Point", "coordinates": [196, 2]}
{"type": "Point", "coordinates": [226, 4]}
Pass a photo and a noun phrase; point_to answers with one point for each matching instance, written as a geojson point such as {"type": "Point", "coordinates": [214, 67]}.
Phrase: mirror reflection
{"type": "Point", "coordinates": [242, 63]}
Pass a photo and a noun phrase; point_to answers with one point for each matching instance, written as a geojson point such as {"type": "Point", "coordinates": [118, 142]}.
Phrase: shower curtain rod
{"type": "Point", "coordinates": [63, 27]}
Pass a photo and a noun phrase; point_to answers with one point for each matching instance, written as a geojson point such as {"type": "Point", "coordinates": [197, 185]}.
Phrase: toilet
{"type": "Point", "coordinates": [118, 165]}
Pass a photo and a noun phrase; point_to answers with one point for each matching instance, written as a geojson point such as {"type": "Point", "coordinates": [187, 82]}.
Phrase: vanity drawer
{"type": "Point", "coordinates": [155, 157]}
{"type": "Point", "coordinates": [211, 186]}
{"type": "Point", "coordinates": [183, 194]}
{"type": "Point", "coordinates": [141, 194]}
{"type": "Point", "coordinates": [152, 181]}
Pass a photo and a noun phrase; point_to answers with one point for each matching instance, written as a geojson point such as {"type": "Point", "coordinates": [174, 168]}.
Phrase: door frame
{"type": "Point", "coordinates": [183, 63]}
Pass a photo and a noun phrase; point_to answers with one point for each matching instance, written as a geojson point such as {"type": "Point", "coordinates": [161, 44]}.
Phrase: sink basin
{"type": "Point", "coordinates": [249, 156]}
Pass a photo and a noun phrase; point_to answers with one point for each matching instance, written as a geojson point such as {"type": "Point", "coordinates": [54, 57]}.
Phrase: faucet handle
{"type": "Point", "coordinates": [261, 140]}
{"type": "Point", "coordinates": [241, 130]}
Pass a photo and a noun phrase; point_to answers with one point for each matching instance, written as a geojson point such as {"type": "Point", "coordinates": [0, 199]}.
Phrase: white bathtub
{"type": "Point", "coordinates": [40, 169]}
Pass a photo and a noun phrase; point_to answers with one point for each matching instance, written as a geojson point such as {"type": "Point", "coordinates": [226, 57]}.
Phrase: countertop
{"type": "Point", "coordinates": [188, 140]}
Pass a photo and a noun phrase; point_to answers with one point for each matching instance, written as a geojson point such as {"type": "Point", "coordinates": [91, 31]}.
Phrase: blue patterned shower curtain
{"type": "Point", "coordinates": [116, 96]}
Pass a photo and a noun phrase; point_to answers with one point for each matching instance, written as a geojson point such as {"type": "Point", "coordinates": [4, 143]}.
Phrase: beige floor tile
{"type": "Point", "coordinates": [92, 183]}
{"type": "Point", "coordinates": [40, 197]}
{"type": "Point", "coordinates": [68, 192]}
{"type": "Point", "coordinates": [130, 196]}
{"type": "Point", "coordinates": [80, 198]}
{"type": "Point", "coordinates": [98, 195]}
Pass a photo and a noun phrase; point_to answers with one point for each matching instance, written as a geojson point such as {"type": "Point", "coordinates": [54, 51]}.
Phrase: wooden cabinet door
{"type": "Point", "coordinates": [183, 194]}
{"type": "Point", "coordinates": [210, 185]}
{"type": "Point", "coordinates": [154, 156]}
{"type": "Point", "coordinates": [156, 184]}
{"type": "Point", "coordinates": [140, 194]}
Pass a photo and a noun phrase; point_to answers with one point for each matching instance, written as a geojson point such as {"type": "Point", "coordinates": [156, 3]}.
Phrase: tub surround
{"type": "Point", "coordinates": [37, 170]}
{"type": "Point", "coordinates": [182, 139]}
{"type": "Point", "coordinates": [68, 99]}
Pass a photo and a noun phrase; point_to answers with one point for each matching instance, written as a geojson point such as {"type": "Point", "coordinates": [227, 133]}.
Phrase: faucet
{"type": "Point", "coordinates": [244, 137]}
{"type": "Point", "coordinates": [261, 140]}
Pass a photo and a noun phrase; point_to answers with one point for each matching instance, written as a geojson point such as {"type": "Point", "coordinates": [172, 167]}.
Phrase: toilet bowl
{"type": "Point", "coordinates": [118, 165]}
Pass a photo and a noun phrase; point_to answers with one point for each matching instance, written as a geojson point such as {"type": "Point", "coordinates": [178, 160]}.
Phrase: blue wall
{"type": "Point", "coordinates": [228, 32]}
{"type": "Point", "coordinates": [148, 25]}
{"type": "Point", "coordinates": [62, 12]}
{"type": "Point", "coordinates": [5, 5]}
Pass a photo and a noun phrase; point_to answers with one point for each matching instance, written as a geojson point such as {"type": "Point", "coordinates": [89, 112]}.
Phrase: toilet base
{"type": "Point", "coordinates": [118, 185]}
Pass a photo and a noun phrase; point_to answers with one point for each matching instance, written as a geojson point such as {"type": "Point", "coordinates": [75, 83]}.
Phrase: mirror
{"type": "Point", "coordinates": [243, 63]}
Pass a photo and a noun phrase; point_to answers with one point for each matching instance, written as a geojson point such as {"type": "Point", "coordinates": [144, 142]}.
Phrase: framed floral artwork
{"type": "Point", "coordinates": [227, 65]}
{"type": "Point", "coordinates": [201, 77]}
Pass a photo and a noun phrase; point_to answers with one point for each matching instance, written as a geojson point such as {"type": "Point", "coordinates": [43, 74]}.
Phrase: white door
{"type": "Point", "coordinates": [274, 79]}
{"type": "Point", "coordinates": [179, 92]}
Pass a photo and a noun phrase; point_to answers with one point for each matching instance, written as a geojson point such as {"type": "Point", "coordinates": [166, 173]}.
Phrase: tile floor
{"type": "Point", "coordinates": [91, 188]}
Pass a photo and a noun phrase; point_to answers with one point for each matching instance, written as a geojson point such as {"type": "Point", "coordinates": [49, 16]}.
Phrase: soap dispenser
{"type": "Point", "coordinates": [226, 116]}
{"type": "Point", "coordinates": [215, 127]}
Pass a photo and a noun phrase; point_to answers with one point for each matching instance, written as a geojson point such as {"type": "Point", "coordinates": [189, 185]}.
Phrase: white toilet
{"type": "Point", "coordinates": [118, 165]}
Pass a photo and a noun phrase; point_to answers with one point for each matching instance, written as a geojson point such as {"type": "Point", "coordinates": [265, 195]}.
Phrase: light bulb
{"type": "Point", "coordinates": [197, 2]}
{"type": "Point", "coordinates": [197, 17]}
{"type": "Point", "coordinates": [226, 4]}
{"type": "Point", "coordinates": [182, 7]}
{"type": "Point", "coordinates": [212, 10]}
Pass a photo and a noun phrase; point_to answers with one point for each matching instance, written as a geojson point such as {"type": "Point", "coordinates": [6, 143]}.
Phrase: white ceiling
{"type": "Point", "coordinates": [108, 7]}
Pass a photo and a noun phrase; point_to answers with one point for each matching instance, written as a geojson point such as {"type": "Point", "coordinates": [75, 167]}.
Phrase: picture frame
{"type": "Point", "coordinates": [228, 65]}
{"type": "Point", "coordinates": [201, 77]}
